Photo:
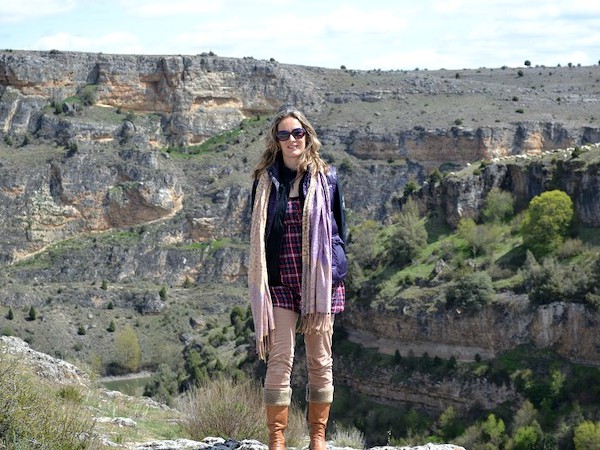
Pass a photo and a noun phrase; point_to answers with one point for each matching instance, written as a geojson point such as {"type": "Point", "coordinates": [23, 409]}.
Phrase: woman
{"type": "Point", "coordinates": [297, 267]}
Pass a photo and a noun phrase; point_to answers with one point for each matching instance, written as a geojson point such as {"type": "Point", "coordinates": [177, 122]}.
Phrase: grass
{"type": "Point", "coordinates": [16, 157]}
{"type": "Point", "coordinates": [153, 421]}
{"type": "Point", "coordinates": [351, 437]}
{"type": "Point", "coordinates": [236, 411]}
{"type": "Point", "coordinates": [36, 414]}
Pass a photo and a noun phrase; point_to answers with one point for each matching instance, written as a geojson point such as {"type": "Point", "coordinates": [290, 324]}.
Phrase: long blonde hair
{"type": "Point", "coordinates": [310, 158]}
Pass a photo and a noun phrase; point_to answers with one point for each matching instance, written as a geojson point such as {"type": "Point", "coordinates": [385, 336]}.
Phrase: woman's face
{"type": "Point", "coordinates": [293, 147]}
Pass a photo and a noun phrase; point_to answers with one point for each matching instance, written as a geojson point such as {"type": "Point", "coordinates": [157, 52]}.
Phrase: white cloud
{"type": "Point", "coordinates": [383, 34]}
{"type": "Point", "coordinates": [15, 11]}
{"type": "Point", "coordinates": [158, 9]}
{"type": "Point", "coordinates": [118, 42]}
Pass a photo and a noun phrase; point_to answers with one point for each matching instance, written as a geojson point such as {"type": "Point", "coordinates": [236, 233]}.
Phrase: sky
{"type": "Point", "coordinates": [356, 34]}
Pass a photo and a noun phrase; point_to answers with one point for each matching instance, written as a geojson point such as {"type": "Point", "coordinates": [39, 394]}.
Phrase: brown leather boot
{"type": "Point", "coordinates": [278, 402]}
{"type": "Point", "coordinates": [319, 403]}
{"type": "Point", "coordinates": [318, 414]}
{"type": "Point", "coordinates": [277, 420]}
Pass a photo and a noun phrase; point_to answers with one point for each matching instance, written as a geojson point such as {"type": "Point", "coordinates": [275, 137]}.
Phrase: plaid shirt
{"type": "Point", "coordinates": [288, 294]}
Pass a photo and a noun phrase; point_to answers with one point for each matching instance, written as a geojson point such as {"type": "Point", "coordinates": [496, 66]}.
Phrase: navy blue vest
{"type": "Point", "coordinates": [338, 227]}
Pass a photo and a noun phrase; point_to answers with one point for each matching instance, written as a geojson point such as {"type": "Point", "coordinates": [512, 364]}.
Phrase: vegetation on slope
{"type": "Point", "coordinates": [539, 251]}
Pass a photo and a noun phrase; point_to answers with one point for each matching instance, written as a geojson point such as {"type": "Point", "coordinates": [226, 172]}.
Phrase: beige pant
{"type": "Point", "coordinates": [281, 357]}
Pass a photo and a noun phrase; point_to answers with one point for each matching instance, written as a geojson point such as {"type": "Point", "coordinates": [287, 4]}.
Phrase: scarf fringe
{"type": "Point", "coordinates": [316, 323]}
{"type": "Point", "coordinates": [263, 346]}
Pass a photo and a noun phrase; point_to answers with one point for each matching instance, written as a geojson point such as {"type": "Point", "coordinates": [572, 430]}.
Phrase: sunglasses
{"type": "Point", "coordinates": [298, 133]}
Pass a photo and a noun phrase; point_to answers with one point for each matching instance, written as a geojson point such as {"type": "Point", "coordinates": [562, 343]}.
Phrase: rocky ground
{"type": "Point", "coordinates": [222, 444]}
{"type": "Point", "coordinates": [62, 372]}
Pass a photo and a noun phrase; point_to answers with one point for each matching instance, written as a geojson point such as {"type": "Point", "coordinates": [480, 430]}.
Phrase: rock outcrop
{"type": "Point", "coordinates": [44, 366]}
{"type": "Point", "coordinates": [45, 203]}
{"type": "Point", "coordinates": [463, 195]}
{"type": "Point", "coordinates": [512, 321]}
{"type": "Point", "coordinates": [195, 96]}
{"type": "Point", "coordinates": [222, 444]}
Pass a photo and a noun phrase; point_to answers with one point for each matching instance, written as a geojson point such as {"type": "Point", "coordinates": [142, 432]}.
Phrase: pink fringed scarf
{"type": "Point", "coordinates": [316, 263]}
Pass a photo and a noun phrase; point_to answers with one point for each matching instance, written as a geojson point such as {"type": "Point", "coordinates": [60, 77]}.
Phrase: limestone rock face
{"type": "Point", "coordinates": [197, 96]}
{"type": "Point", "coordinates": [44, 366]}
{"type": "Point", "coordinates": [565, 327]}
{"type": "Point", "coordinates": [49, 202]}
{"type": "Point", "coordinates": [463, 196]}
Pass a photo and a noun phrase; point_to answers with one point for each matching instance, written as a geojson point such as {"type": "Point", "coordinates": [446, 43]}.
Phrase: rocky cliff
{"type": "Point", "coordinates": [103, 178]}
{"type": "Point", "coordinates": [195, 96]}
{"type": "Point", "coordinates": [566, 328]}
{"type": "Point", "coordinates": [577, 174]}
{"type": "Point", "coordinates": [382, 127]}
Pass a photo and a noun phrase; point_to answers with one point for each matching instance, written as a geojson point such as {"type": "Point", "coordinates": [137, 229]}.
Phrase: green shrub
{"type": "Point", "coordinates": [363, 244]}
{"type": "Point", "coordinates": [587, 436]}
{"type": "Point", "coordinates": [87, 94]}
{"type": "Point", "coordinates": [410, 187]}
{"type": "Point", "coordinates": [346, 166]}
{"type": "Point", "coordinates": [547, 222]}
{"type": "Point", "coordinates": [526, 438]}
{"type": "Point", "coordinates": [409, 236]}
{"type": "Point", "coordinates": [480, 239]}
{"type": "Point", "coordinates": [435, 176]}
{"type": "Point", "coordinates": [471, 292]}
{"type": "Point", "coordinates": [163, 293]}
{"type": "Point", "coordinates": [553, 281]}
{"type": "Point", "coordinates": [163, 385]}
{"type": "Point", "coordinates": [570, 248]}
{"type": "Point", "coordinates": [576, 152]}
{"type": "Point", "coordinates": [72, 393]}
{"type": "Point", "coordinates": [499, 205]}
{"type": "Point", "coordinates": [128, 352]}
